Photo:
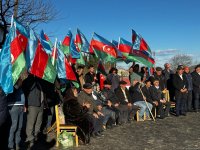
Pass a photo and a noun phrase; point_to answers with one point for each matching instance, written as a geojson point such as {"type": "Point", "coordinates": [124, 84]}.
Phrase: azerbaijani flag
{"type": "Point", "coordinates": [46, 43]}
{"type": "Point", "coordinates": [64, 69]}
{"type": "Point", "coordinates": [103, 48]}
{"type": "Point", "coordinates": [42, 66]}
{"type": "Point", "coordinates": [134, 55]}
{"type": "Point", "coordinates": [81, 42]}
{"type": "Point", "coordinates": [119, 54]}
{"type": "Point", "coordinates": [65, 47]}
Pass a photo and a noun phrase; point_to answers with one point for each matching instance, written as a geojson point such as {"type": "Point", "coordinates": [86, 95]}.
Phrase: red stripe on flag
{"type": "Point", "coordinates": [78, 39]}
{"type": "Point", "coordinates": [124, 48]}
{"type": "Point", "coordinates": [141, 54]}
{"type": "Point", "coordinates": [70, 75]}
{"type": "Point", "coordinates": [104, 48]}
{"type": "Point", "coordinates": [40, 61]}
{"type": "Point", "coordinates": [46, 37]}
{"type": "Point", "coordinates": [16, 49]}
{"type": "Point", "coordinates": [143, 45]}
{"type": "Point", "coordinates": [66, 41]}
{"type": "Point", "coordinates": [23, 40]}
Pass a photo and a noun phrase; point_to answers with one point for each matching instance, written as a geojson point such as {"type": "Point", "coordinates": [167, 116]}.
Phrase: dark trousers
{"type": "Point", "coordinates": [180, 102]}
{"type": "Point", "coordinates": [34, 122]}
{"type": "Point", "coordinates": [123, 117]}
{"type": "Point", "coordinates": [163, 109]}
{"type": "Point", "coordinates": [16, 114]}
{"type": "Point", "coordinates": [196, 100]}
{"type": "Point", "coordinates": [189, 101]}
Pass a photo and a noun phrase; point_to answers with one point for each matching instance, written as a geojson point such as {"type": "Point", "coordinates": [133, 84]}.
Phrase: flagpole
{"type": "Point", "coordinates": [12, 20]}
{"type": "Point", "coordinates": [54, 52]}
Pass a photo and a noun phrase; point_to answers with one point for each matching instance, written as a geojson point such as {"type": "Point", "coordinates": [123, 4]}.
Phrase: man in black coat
{"type": "Point", "coordinates": [168, 74]}
{"type": "Point", "coordinates": [90, 77]}
{"type": "Point", "coordinates": [196, 86]}
{"type": "Point", "coordinates": [158, 97]}
{"type": "Point", "coordinates": [181, 88]}
{"type": "Point", "coordinates": [126, 102]}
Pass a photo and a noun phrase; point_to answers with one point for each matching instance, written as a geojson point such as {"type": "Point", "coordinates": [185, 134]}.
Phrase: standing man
{"type": "Point", "coordinates": [114, 78]}
{"type": "Point", "coordinates": [181, 88]}
{"type": "Point", "coordinates": [35, 104]}
{"type": "Point", "coordinates": [190, 88]}
{"type": "Point", "coordinates": [168, 74]}
{"type": "Point", "coordinates": [196, 86]}
{"type": "Point", "coordinates": [90, 77]}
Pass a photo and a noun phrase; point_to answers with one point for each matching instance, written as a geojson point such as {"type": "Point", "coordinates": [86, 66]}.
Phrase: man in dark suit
{"type": "Point", "coordinates": [126, 102]}
{"type": "Point", "coordinates": [196, 86]}
{"type": "Point", "coordinates": [158, 98]}
{"type": "Point", "coordinates": [181, 88]}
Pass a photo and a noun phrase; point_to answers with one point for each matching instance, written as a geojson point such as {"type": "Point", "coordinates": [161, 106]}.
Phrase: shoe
{"type": "Point", "coordinates": [148, 118]}
{"type": "Point", "coordinates": [183, 114]}
{"type": "Point", "coordinates": [140, 119]}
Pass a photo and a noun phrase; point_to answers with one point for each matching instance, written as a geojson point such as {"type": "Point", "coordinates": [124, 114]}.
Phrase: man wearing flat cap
{"type": "Point", "coordinates": [128, 110]}
{"type": "Point", "coordinates": [180, 84]}
{"type": "Point", "coordinates": [196, 86]}
{"type": "Point", "coordinates": [93, 113]}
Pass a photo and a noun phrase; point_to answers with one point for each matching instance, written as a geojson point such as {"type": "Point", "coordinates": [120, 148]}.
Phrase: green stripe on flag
{"type": "Point", "coordinates": [18, 67]}
{"type": "Point", "coordinates": [50, 72]}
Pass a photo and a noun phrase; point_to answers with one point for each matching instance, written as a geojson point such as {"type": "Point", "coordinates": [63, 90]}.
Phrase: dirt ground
{"type": "Point", "coordinates": [172, 133]}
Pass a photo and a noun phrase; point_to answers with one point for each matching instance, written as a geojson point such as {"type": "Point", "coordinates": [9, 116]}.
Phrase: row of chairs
{"type": "Point", "coordinates": [60, 121]}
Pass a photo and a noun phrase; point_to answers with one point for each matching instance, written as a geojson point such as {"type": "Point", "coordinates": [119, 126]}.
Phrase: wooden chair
{"type": "Point", "coordinates": [60, 125]}
{"type": "Point", "coordinates": [167, 97]}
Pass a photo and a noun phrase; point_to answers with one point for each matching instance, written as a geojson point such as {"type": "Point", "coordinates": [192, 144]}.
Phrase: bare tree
{"type": "Point", "coordinates": [181, 59]}
{"type": "Point", "coordinates": [29, 12]}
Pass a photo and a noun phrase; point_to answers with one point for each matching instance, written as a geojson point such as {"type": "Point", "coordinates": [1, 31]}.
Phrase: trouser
{"type": "Point", "coordinates": [189, 101]}
{"type": "Point", "coordinates": [144, 108]}
{"type": "Point", "coordinates": [196, 100]}
{"type": "Point", "coordinates": [108, 113]}
{"type": "Point", "coordinates": [50, 116]}
{"type": "Point", "coordinates": [180, 102]}
{"type": "Point", "coordinates": [16, 114]}
{"type": "Point", "coordinates": [123, 117]}
{"type": "Point", "coordinates": [163, 109]}
{"type": "Point", "coordinates": [34, 122]}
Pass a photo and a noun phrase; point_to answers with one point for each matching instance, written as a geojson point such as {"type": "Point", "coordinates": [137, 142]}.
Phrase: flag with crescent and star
{"type": "Point", "coordinates": [103, 49]}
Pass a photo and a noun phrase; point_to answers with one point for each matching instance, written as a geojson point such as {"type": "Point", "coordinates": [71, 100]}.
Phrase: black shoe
{"type": "Point", "coordinates": [183, 114]}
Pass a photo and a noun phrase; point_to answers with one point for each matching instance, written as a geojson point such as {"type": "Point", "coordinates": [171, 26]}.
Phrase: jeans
{"type": "Point", "coordinates": [144, 108]}
{"type": "Point", "coordinates": [196, 100]}
{"type": "Point", "coordinates": [34, 122]}
{"type": "Point", "coordinates": [107, 115]}
{"type": "Point", "coordinates": [16, 113]}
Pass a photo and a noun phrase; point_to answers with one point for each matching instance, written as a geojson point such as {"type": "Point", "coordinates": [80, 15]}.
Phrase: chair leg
{"type": "Point", "coordinates": [76, 140]}
{"type": "Point", "coordinates": [137, 116]}
{"type": "Point", "coordinates": [145, 117]}
{"type": "Point", "coordinates": [57, 134]}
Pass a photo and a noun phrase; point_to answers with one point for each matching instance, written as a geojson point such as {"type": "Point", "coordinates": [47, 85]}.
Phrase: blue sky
{"type": "Point", "coordinates": [168, 26]}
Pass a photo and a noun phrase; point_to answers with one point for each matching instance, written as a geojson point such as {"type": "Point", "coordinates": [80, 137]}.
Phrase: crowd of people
{"type": "Point", "coordinates": [29, 110]}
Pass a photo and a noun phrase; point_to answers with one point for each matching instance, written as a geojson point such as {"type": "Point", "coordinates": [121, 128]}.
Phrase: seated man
{"type": "Point", "coordinates": [95, 115]}
{"type": "Point", "coordinates": [139, 100]}
{"type": "Point", "coordinates": [127, 109]}
{"type": "Point", "coordinates": [157, 95]}
{"type": "Point", "coordinates": [99, 100]}
{"type": "Point", "coordinates": [147, 94]}
{"type": "Point", "coordinates": [111, 101]}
